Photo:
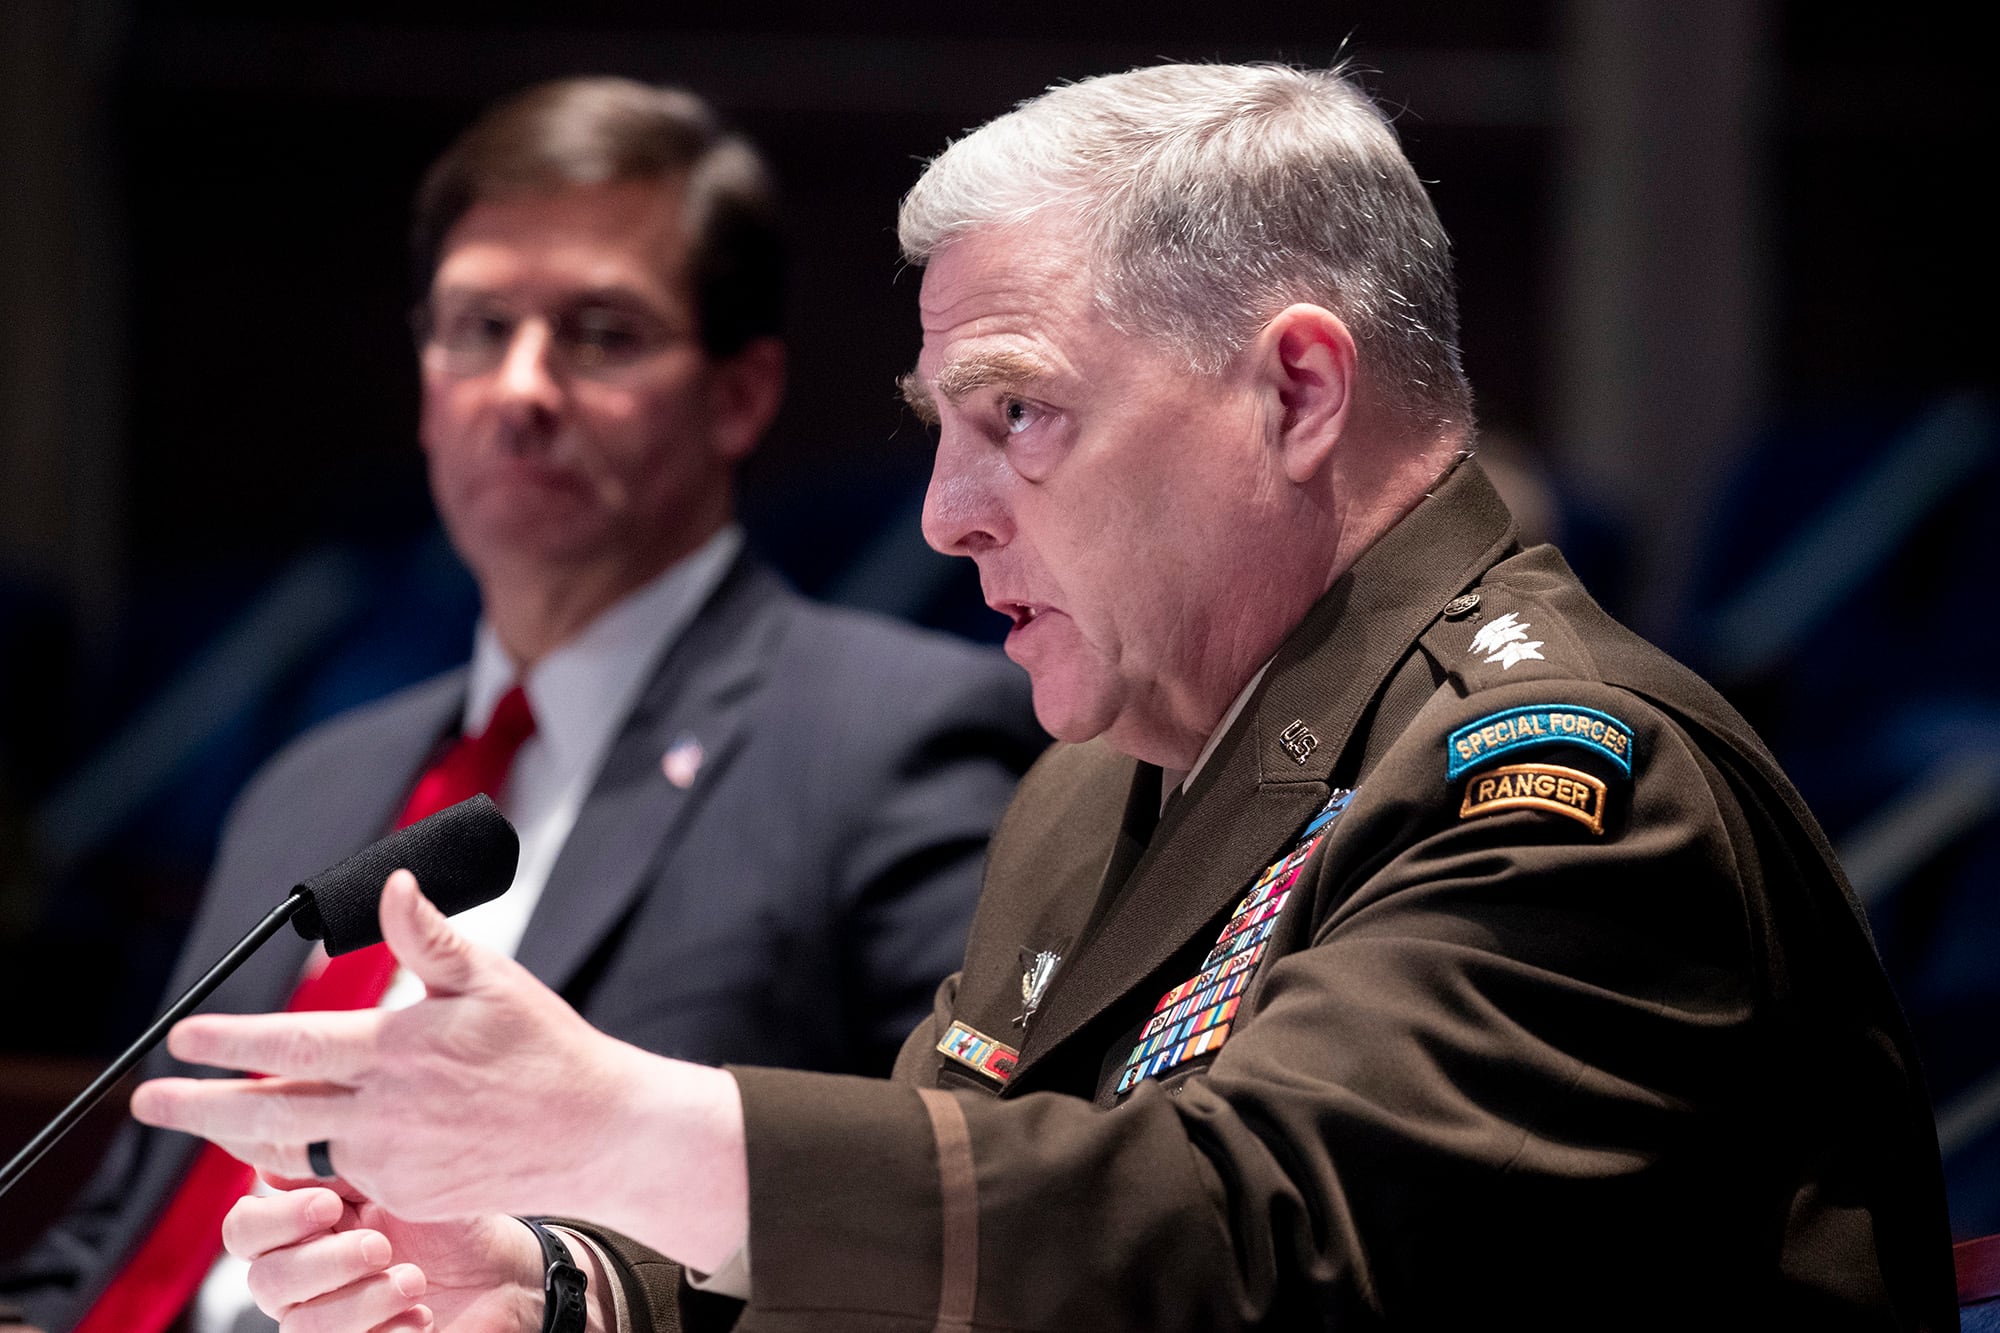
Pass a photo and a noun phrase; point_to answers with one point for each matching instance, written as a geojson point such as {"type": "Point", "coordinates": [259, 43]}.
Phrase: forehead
{"type": "Point", "coordinates": [627, 233]}
{"type": "Point", "coordinates": [1002, 288]}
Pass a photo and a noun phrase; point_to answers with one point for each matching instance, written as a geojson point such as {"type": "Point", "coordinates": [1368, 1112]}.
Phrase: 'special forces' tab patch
{"type": "Point", "coordinates": [1551, 787]}
{"type": "Point", "coordinates": [1537, 724]}
{"type": "Point", "coordinates": [975, 1050]}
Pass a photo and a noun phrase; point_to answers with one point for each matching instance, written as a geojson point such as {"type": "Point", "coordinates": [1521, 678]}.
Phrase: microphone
{"type": "Point", "coordinates": [463, 856]}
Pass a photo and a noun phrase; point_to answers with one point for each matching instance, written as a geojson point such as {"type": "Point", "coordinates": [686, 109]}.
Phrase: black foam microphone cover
{"type": "Point", "coordinates": [462, 856]}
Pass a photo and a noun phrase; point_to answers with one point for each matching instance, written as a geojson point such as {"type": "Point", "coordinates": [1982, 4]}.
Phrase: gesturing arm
{"type": "Point", "coordinates": [490, 1097]}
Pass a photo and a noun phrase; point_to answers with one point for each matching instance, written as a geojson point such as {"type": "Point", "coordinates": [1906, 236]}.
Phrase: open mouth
{"type": "Point", "coordinates": [1021, 613]}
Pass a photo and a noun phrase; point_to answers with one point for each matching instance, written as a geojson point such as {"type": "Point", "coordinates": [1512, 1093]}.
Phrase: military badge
{"type": "Point", "coordinates": [1035, 981]}
{"type": "Point", "coordinates": [1298, 740]}
{"type": "Point", "coordinates": [1551, 787]}
{"type": "Point", "coordinates": [1514, 729]}
{"type": "Point", "coordinates": [979, 1052]}
{"type": "Point", "coordinates": [1506, 642]}
{"type": "Point", "coordinates": [1194, 1017]}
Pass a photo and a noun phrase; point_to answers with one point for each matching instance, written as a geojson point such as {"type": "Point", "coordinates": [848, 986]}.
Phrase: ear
{"type": "Point", "coordinates": [744, 393]}
{"type": "Point", "coordinates": [1306, 356]}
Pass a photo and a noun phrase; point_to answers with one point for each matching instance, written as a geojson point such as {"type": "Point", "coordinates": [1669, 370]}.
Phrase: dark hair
{"type": "Point", "coordinates": [596, 131]}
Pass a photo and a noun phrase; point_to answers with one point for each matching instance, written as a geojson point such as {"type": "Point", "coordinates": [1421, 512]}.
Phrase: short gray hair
{"type": "Point", "coordinates": [1210, 197]}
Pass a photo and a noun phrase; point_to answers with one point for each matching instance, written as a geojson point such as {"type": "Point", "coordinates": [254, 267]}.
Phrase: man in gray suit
{"type": "Point", "coordinates": [752, 828]}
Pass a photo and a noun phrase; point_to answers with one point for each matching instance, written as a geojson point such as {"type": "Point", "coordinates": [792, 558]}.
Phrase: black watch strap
{"type": "Point", "coordinates": [564, 1309]}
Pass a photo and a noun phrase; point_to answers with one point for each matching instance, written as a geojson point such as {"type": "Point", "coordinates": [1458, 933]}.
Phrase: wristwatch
{"type": "Point", "coordinates": [564, 1309]}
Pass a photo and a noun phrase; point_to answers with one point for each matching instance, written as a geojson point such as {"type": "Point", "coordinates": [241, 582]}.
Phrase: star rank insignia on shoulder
{"type": "Point", "coordinates": [1505, 641]}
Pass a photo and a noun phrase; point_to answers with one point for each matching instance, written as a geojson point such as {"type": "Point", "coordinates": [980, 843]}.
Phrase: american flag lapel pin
{"type": "Point", "coordinates": [682, 761]}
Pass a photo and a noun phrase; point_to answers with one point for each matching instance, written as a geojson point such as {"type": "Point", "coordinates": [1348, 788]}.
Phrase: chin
{"type": "Point", "coordinates": [1070, 714]}
{"type": "Point", "coordinates": [548, 547]}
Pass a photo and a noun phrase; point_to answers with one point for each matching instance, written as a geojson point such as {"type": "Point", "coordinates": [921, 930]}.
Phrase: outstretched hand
{"type": "Point", "coordinates": [490, 1096]}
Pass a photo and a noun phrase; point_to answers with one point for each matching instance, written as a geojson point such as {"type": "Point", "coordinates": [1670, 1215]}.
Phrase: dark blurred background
{"type": "Point", "coordinates": [1725, 305]}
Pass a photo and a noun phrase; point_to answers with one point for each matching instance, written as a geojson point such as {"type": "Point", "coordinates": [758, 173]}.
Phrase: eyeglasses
{"type": "Point", "coordinates": [591, 340]}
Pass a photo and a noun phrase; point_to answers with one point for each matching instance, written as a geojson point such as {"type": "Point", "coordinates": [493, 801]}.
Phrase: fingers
{"type": "Point", "coordinates": [265, 1122]}
{"type": "Point", "coordinates": [258, 1224]}
{"type": "Point", "coordinates": [370, 1302]}
{"type": "Point", "coordinates": [423, 939]}
{"type": "Point", "coordinates": [332, 1047]}
{"type": "Point", "coordinates": [314, 1278]}
{"type": "Point", "coordinates": [418, 1320]}
{"type": "Point", "coordinates": [336, 1268]}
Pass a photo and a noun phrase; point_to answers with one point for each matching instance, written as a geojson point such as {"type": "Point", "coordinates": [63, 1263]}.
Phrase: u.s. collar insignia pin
{"type": "Point", "coordinates": [1035, 982]}
{"type": "Point", "coordinates": [682, 761]}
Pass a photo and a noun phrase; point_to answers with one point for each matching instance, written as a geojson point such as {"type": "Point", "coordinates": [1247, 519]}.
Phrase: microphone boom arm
{"type": "Point", "coordinates": [179, 1009]}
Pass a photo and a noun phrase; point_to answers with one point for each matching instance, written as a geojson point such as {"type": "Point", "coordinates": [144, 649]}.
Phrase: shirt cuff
{"type": "Point", "coordinates": [732, 1279]}
{"type": "Point", "coordinates": [619, 1313]}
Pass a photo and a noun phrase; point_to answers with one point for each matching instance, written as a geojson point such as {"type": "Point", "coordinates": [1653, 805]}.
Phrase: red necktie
{"type": "Point", "coordinates": [167, 1268]}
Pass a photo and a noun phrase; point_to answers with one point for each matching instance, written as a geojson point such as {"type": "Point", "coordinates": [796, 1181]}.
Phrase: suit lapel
{"type": "Point", "coordinates": [1256, 791]}
{"type": "Point", "coordinates": [346, 814]}
{"type": "Point", "coordinates": [633, 816]}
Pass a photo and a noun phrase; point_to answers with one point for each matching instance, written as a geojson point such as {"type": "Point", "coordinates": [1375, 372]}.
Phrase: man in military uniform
{"type": "Point", "coordinates": [1398, 942]}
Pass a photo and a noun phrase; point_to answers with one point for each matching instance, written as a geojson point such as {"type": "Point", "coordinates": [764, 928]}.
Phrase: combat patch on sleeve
{"type": "Point", "coordinates": [1551, 787]}
{"type": "Point", "coordinates": [1513, 729]}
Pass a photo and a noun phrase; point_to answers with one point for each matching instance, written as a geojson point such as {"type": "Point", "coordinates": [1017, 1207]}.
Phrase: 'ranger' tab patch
{"type": "Point", "coordinates": [1551, 787]}
{"type": "Point", "coordinates": [1193, 1018]}
{"type": "Point", "coordinates": [979, 1052]}
{"type": "Point", "coordinates": [1537, 724]}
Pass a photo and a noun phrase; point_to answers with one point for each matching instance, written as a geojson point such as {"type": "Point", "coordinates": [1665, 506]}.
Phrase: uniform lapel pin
{"type": "Point", "coordinates": [1035, 982]}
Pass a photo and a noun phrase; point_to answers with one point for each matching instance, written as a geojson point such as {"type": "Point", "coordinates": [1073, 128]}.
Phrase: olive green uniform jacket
{"type": "Point", "coordinates": [1566, 1018]}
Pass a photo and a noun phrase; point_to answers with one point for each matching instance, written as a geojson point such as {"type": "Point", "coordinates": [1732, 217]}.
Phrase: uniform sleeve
{"type": "Point", "coordinates": [1500, 1065]}
{"type": "Point", "coordinates": [654, 1296]}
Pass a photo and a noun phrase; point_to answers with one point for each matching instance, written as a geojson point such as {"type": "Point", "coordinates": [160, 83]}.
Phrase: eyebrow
{"type": "Point", "coordinates": [968, 374]}
{"type": "Point", "coordinates": [615, 295]}
{"type": "Point", "coordinates": [917, 397]}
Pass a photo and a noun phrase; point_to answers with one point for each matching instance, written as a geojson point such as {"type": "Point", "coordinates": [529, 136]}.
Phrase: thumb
{"type": "Point", "coordinates": [423, 940]}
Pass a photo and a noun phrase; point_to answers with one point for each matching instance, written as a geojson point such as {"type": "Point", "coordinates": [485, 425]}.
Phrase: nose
{"type": "Point", "coordinates": [527, 378]}
{"type": "Point", "coordinates": [963, 511]}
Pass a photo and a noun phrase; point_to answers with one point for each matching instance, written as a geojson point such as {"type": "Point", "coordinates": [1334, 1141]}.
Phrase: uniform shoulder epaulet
{"type": "Point", "coordinates": [1496, 635]}
{"type": "Point", "coordinates": [1559, 745]}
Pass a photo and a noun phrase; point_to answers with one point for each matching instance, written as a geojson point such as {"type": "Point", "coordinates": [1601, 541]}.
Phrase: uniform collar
{"type": "Point", "coordinates": [1252, 793]}
{"type": "Point", "coordinates": [1332, 666]}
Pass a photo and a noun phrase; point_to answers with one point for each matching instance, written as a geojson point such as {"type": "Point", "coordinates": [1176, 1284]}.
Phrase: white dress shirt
{"type": "Point", "coordinates": [1172, 782]}
{"type": "Point", "coordinates": [580, 695]}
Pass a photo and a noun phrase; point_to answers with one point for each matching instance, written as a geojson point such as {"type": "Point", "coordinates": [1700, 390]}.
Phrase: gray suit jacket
{"type": "Point", "coordinates": [796, 905]}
